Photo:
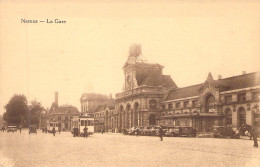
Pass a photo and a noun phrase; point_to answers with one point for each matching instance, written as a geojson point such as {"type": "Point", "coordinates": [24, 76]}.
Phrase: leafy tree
{"type": "Point", "coordinates": [35, 112]}
{"type": "Point", "coordinates": [16, 110]}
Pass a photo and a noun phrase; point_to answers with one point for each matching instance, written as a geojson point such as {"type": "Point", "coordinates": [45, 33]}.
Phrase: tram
{"type": "Point", "coordinates": [52, 125]}
{"type": "Point", "coordinates": [82, 121]}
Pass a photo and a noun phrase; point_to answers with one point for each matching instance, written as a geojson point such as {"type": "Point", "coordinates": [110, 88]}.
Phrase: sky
{"type": "Point", "coordinates": [189, 38]}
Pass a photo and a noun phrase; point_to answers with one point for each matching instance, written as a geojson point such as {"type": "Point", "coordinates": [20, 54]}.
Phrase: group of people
{"type": "Point", "coordinates": [53, 131]}
{"type": "Point", "coordinates": [76, 132]}
{"type": "Point", "coordinates": [161, 133]}
{"type": "Point", "coordinates": [3, 128]}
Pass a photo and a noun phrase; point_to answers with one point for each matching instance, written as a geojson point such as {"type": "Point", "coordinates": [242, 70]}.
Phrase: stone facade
{"type": "Point", "coordinates": [223, 102]}
{"type": "Point", "coordinates": [62, 114]}
{"type": "Point", "coordinates": [151, 98]}
{"type": "Point", "coordinates": [144, 90]}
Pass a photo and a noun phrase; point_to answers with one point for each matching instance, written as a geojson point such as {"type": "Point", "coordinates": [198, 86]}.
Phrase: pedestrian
{"type": "Point", "coordinates": [53, 131]}
{"type": "Point", "coordinates": [20, 127]}
{"type": "Point", "coordinates": [254, 134]}
{"type": "Point", "coordinates": [85, 131]}
{"type": "Point", "coordinates": [59, 129]}
{"type": "Point", "coordinates": [180, 130]}
{"type": "Point", "coordinates": [3, 128]}
{"type": "Point", "coordinates": [74, 131]}
{"type": "Point", "coordinates": [102, 130]}
{"type": "Point", "coordinates": [161, 133]}
{"type": "Point", "coordinates": [137, 132]}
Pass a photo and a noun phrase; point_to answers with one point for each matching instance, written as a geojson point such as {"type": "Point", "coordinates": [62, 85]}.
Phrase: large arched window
{"type": "Point", "coordinates": [136, 106]}
{"type": "Point", "coordinates": [152, 104]}
{"type": "Point", "coordinates": [152, 119]}
{"type": "Point", "coordinates": [228, 116]}
{"type": "Point", "coordinates": [210, 104]}
{"type": "Point", "coordinates": [128, 107]}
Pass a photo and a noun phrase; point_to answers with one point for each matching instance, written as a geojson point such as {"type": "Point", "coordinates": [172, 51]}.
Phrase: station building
{"type": "Point", "coordinates": [152, 98]}
{"type": "Point", "coordinates": [223, 102]}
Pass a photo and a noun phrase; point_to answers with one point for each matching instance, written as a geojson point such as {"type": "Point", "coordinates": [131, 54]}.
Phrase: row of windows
{"type": "Point", "coordinates": [178, 105]}
{"type": "Point", "coordinates": [86, 123]}
{"type": "Point", "coordinates": [99, 115]}
{"type": "Point", "coordinates": [66, 118]}
{"type": "Point", "coordinates": [242, 97]}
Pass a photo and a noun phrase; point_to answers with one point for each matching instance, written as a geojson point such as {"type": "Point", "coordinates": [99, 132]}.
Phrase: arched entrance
{"type": "Point", "coordinates": [120, 117]}
{"type": "Point", "coordinates": [241, 116]}
{"type": "Point", "coordinates": [136, 108]}
{"type": "Point", "coordinates": [210, 103]}
{"type": "Point", "coordinates": [128, 108]}
{"type": "Point", "coordinates": [228, 117]}
{"type": "Point", "coordinates": [152, 119]}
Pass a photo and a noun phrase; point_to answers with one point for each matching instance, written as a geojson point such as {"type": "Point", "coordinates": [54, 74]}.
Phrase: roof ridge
{"type": "Point", "coordinates": [240, 75]}
{"type": "Point", "coordinates": [188, 86]}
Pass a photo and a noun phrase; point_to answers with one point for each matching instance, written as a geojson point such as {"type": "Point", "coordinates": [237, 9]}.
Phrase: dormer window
{"type": "Point", "coordinates": [228, 99]}
{"type": "Point", "coordinates": [170, 107]}
{"type": "Point", "coordinates": [241, 97]}
{"type": "Point", "coordinates": [178, 105]}
{"type": "Point", "coordinates": [186, 104]}
{"type": "Point", "coordinates": [256, 96]}
{"type": "Point", "coordinates": [195, 103]}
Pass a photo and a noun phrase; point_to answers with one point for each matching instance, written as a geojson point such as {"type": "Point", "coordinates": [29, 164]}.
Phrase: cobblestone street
{"type": "Point", "coordinates": [24, 150]}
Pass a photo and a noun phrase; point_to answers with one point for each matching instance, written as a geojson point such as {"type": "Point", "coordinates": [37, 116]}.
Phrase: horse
{"type": "Point", "coordinates": [248, 128]}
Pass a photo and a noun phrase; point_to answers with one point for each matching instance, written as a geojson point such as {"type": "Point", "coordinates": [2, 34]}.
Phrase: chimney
{"type": "Point", "coordinates": [243, 72]}
{"type": "Point", "coordinates": [219, 76]}
{"type": "Point", "coordinates": [56, 98]}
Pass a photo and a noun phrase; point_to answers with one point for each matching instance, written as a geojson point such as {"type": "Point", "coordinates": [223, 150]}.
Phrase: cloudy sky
{"type": "Point", "coordinates": [189, 38]}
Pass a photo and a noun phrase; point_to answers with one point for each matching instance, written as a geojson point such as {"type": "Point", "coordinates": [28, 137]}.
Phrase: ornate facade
{"type": "Point", "coordinates": [144, 90]}
{"type": "Point", "coordinates": [151, 98]}
{"type": "Point", "coordinates": [224, 102]}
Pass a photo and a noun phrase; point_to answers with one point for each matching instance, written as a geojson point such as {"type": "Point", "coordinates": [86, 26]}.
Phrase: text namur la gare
{"type": "Point", "coordinates": [49, 21]}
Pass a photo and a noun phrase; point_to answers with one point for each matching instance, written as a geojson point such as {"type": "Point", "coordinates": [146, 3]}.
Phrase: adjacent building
{"type": "Point", "coordinates": [223, 102]}
{"type": "Point", "coordinates": [62, 114]}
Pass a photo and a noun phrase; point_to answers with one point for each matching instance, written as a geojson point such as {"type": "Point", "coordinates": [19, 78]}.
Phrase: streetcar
{"type": "Point", "coordinates": [52, 125]}
{"type": "Point", "coordinates": [82, 121]}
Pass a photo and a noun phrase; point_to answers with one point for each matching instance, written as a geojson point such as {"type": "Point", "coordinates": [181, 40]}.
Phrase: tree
{"type": "Point", "coordinates": [16, 110]}
{"type": "Point", "coordinates": [35, 112]}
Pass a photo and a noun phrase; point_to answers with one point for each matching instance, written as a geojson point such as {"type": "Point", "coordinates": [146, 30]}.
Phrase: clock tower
{"type": "Point", "coordinates": [129, 67]}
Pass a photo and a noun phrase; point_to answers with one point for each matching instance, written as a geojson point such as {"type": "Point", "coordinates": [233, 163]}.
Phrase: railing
{"type": "Point", "coordinates": [191, 113]}
{"type": "Point", "coordinates": [142, 89]}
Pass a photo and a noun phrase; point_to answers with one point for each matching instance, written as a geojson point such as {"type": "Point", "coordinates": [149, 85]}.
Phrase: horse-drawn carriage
{"type": "Point", "coordinates": [248, 130]}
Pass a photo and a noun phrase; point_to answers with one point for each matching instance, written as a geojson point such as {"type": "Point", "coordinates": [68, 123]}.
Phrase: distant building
{"type": "Point", "coordinates": [91, 101]}
{"type": "Point", "coordinates": [62, 114]}
{"type": "Point", "coordinates": [100, 105]}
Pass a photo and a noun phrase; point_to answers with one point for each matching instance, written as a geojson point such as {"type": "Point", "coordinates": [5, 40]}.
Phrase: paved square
{"type": "Point", "coordinates": [110, 149]}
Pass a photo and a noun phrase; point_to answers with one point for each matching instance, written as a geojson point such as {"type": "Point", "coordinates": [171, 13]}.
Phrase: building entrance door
{"type": "Point", "coordinates": [241, 117]}
{"type": "Point", "coordinates": [152, 119]}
